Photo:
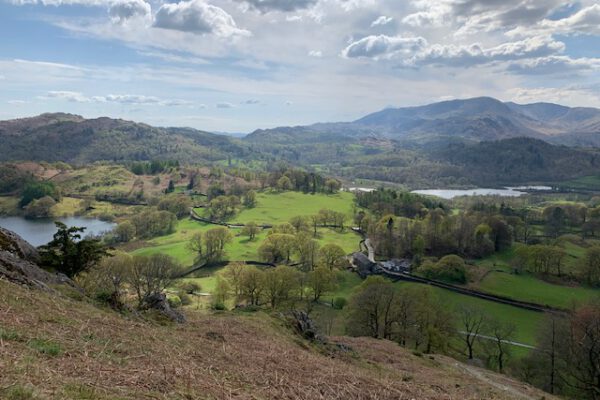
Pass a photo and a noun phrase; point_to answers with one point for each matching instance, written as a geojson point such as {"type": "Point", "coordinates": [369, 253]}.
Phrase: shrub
{"type": "Point", "coordinates": [174, 301]}
{"type": "Point", "coordinates": [339, 303]}
{"type": "Point", "coordinates": [218, 306]}
{"type": "Point", "coordinates": [189, 287]}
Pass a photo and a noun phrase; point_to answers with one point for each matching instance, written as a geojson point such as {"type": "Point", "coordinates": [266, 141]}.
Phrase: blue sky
{"type": "Point", "coordinates": [240, 65]}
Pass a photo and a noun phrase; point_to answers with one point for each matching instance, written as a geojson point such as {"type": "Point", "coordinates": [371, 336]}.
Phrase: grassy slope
{"type": "Point", "coordinates": [56, 348]}
{"type": "Point", "coordinates": [530, 288]}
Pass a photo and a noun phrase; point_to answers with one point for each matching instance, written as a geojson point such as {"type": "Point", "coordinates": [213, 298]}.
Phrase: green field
{"type": "Point", "coordinates": [529, 288]}
{"type": "Point", "coordinates": [275, 208]}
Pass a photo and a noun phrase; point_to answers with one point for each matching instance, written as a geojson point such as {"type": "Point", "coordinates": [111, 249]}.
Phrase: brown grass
{"type": "Point", "coordinates": [226, 356]}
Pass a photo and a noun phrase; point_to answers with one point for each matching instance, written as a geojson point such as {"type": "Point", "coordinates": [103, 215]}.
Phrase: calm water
{"type": "Point", "coordinates": [39, 232]}
{"type": "Point", "coordinates": [506, 192]}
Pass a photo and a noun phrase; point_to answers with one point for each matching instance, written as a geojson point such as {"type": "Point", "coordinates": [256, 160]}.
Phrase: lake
{"type": "Point", "coordinates": [39, 232]}
{"type": "Point", "coordinates": [506, 192]}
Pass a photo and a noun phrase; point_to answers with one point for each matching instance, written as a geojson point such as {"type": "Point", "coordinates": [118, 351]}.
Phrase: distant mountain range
{"type": "Point", "coordinates": [477, 119]}
{"type": "Point", "coordinates": [479, 141]}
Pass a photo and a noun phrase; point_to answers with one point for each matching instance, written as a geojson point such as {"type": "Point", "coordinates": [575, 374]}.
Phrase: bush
{"type": "Point", "coordinates": [218, 306]}
{"type": "Point", "coordinates": [185, 298]}
{"type": "Point", "coordinates": [339, 303]}
{"type": "Point", "coordinates": [189, 287]}
{"type": "Point", "coordinates": [174, 301]}
{"type": "Point", "coordinates": [450, 268]}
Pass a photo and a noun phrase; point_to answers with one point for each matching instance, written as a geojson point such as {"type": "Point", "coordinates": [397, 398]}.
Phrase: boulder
{"type": "Point", "coordinates": [18, 263]}
{"type": "Point", "coordinates": [159, 302]}
{"type": "Point", "coordinates": [305, 326]}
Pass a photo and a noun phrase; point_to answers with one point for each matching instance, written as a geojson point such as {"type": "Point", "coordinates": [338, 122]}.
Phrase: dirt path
{"type": "Point", "coordinates": [493, 381]}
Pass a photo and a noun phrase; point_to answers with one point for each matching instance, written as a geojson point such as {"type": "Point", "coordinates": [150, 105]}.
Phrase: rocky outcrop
{"type": "Point", "coordinates": [18, 263]}
{"type": "Point", "coordinates": [305, 326]}
{"type": "Point", "coordinates": [158, 302]}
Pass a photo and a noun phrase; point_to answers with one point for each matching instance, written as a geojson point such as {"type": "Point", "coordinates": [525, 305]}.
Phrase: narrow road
{"type": "Point", "coordinates": [518, 344]}
{"type": "Point", "coordinates": [370, 249]}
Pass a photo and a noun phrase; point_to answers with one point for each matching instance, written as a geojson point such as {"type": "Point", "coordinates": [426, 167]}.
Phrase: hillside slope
{"type": "Point", "coordinates": [62, 348]}
{"type": "Point", "coordinates": [73, 139]}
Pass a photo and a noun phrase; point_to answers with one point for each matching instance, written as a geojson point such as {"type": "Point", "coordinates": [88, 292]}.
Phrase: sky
{"type": "Point", "coordinates": [241, 65]}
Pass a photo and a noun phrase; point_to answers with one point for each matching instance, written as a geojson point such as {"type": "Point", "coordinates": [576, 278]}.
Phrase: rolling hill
{"type": "Point", "coordinates": [71, 138]}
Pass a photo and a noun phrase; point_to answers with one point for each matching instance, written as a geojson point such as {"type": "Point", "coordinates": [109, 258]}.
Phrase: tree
{"type": "Point", "coordinates": [177, 204]}
{"type": "Point", "coordinates": [450, 268]}
{"type": "Point", "coordinates": [251, 229]}
{"type": "Point", "coordinates": [40, 208]}
{"type": "Point", "coordinates": [473, 321]}
{"type": "Point", "coordinates": [321, 280]}
{"type": "Point", "coordinates": [68, 253]}
{"type": "Point", "coordinates": [279, 284]}
{"type": "Point", "coordinates": [299, 223]}
{"type": "Point", "coordinates": [251, 284]}
{"type": "Point", "coordinates": [250, 199]}
{"type": "Point", "coordinates": [332, 185]}
{"type": "Point", "coordinates": [307, 249]}
{"type": "Point", "coordinates": [34, 190]}
{"type": "Point", "coordinates": [125, 231]}
{"type": "Point", "coordinates": [151, 275]}
{"type": "Point", "coordinates": [589, 266]}
{"type": "Point", "coordinates": [332, 256]}
{"type": "Point", "coordinates": [196, 244]}
{"type": "Point", "coordinates": [171, 187]}
{"type": "Point", "coordinates": [499, 350]}
{"type": "Point", "coordinates": [215, 240]}
{"type": "Point", "coordinates": [277, 248]}
{"type": "Point", "coordinates": [233, 274]}
{"type": "Point", "coordinates": [372, 309]}
{"type": "Point", "coordinates": [221, 292]}
{"type": "Point", "coordinates": [284, 183]}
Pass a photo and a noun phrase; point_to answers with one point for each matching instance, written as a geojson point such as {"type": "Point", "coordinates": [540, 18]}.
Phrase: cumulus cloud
{"type": "Point", "coordinates": [196, 16]}
{"type": "Point", "coordinates": [266, 6]}
{"type": "Point", "coordinates": [383, 20]}
{"type": "Point", "coordinates": [315, 53]}
{"type": "Point", "coordinates": [121, 11]}
{"type": "Point", "coordinates": [416, 51]}
{"type": "Point", "coordinates": [383, 46]}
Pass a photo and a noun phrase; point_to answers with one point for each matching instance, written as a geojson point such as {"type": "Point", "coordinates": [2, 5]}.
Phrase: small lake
{"type": "Point", "coordinates": [506, 192]}
{"type": "Point", "coordinates": [40, 231]}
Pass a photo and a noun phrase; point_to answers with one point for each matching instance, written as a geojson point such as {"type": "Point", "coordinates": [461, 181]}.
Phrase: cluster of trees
{"type": "Point", "coordinates": [567, 358]}
{"type": "Point", "coordinates": [152, 167]}
{"type": "Point", "coordinates": [438, 233]}
{"type": "Point", "coordinates": [450, 268]}
{"type": "Point", "coordinates": [386, 201]}
{"type": "Point", "coordinates": [12, 179]}
{"type": "Point", "coordinates": [223, 207]}
{"type": "Point", "coordinates": [34, 190]}
{"type": "Point", "coordinates": [144, 276]}
{"type": "Point", "coordinates": [275, 287]}
{"type": "Point", "coordinates": [210, 245]}
{"type": "Point", "coordinates": [413, 316]}
{"type": "Point", "coordinates": [283, 177]}
{"type": "Point", "coordinates": [550, 260]}
{"type": "Point", "coordinates": [296, 240]}
{"type": "Point", "coordinates": [152, 223]}
{"type": "Point", "coordinates": [176, 204]}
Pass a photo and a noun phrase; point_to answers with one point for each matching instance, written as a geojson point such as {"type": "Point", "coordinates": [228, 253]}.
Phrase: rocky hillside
{"type": "Point", "coordinates": [73, 139]}
{"type": "Point", "coordinates": [72, 350]}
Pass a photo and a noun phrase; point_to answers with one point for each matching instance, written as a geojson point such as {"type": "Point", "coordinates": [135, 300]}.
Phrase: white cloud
{"type": "Point", "coordinates": [383, 20]}
{"type": "Point", "coordinates": [315, 53]}
{"type": "Point", "coordinates": [199, 17]}
{"type": "Point", "coordinates": [416, 51]}
{"type": "Point", "coordinates": [131, 99]}
{"type": "Point", "coordinates": [225, 105]}
{"type": "Point", "coordinates": [383, 46]}
{"type": "Point", "coordinates": [252, 102]}
{"type": "Point", "coordinates": [289, 103]}
{"type": "Point", "coordinates": [16, 102]}
{"type": "Point", "coordinates": [554, 65]}
{"type": "Point", "coordinates": [280, 5]}
{"type": "Point", "coordinates": [561, 95]}
{"type": "Point", "coordinates": [47, 64]}
{"type": "Point", "coordinates": [120, 11]}
{"type": "Point", "coordinates": [585, 21]}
